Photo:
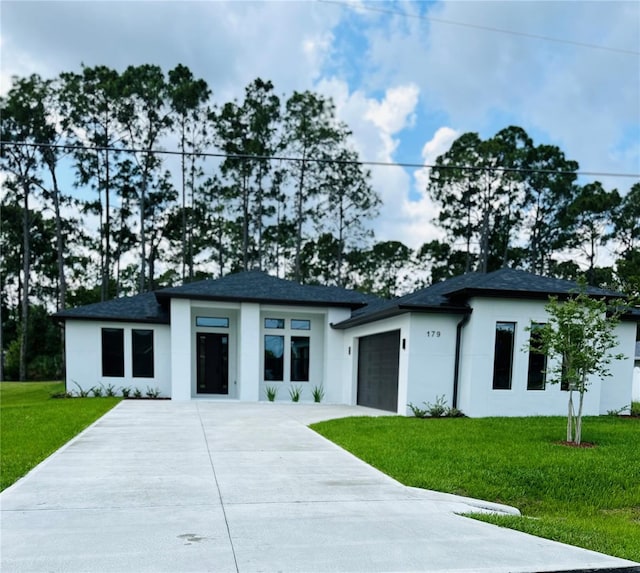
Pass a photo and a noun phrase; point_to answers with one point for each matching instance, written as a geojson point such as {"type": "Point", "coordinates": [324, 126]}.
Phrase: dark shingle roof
{"type": "Point", "coordinates": [514, 282]}
{"type": "Point", "coordinates": [257, 286]}
{"type": "Point", "coordinates": [452, 295]}
{"type": "Point", "coordinates": [252, 286]}
{"type": "Point", "coordinates": [139, 308]}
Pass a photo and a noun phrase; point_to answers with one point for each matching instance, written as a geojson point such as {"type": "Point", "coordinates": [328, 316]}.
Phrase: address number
{"type": "Point", "coordinates": [433, 334]}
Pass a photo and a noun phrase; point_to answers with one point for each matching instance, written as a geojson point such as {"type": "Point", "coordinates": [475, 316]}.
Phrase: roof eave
{"type": "Point", "coordinates": [86, 318]}
{"type": "Point", "coordinates": [520, 294]}
{"type": "Point", "coordinates": [397, 311]}
{"type": "Point", "coordinates": [262, 300]}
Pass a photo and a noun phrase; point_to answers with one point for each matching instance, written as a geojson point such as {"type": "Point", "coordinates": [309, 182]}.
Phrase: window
{"type": "Point", "coordinates": [536, 376]}
{"type": "Point", "coordinates": [142, 353]}
{"type": "Point", "coordinates": [299, 358]}
{"type": "Point", "coordinates": [299, 324]}
{"type": "Point", "coordinates": [503, 357]}
{"type": "Point", "coordinates": [274, 322]}
{"type": "Point", "coordinates": [212, 321]}
{"type": "Point", "coordinates": [564, 377]}
{"type": "Point", "coordinates": [273, 357]}
{"type": "Point", "coordinates": [113, 352]}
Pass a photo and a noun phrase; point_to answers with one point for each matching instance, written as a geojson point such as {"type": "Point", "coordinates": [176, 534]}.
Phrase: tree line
{"type": "Point", "coordinates": [116, 183]}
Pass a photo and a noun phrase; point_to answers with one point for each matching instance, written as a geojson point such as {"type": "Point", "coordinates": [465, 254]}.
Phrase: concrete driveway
{"type": "Point", "coordinates": [231, 487]}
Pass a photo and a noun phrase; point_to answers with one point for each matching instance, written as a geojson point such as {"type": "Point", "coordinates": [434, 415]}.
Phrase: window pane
{"type": "Point", "coordinates": [503, 358]}
{"type": "Point", "coordinates": [274, 322]}
{"type": "Point", "coordinates": [113, 352]}
{"type": "Point", "coordinates": [299, 358]}
{"type": "Point", "coordinates": [537, 362]}
{"type": "Point", "coordinates": [299, 324]}
{"type": "Point", "coordinates": [142, 353]}
{"type": "Point", "coordinates": [212, 321]}
{"type": "Point", "coordinates": [564, 380]}
{"type": "Point", "coordinates": [273, 357]}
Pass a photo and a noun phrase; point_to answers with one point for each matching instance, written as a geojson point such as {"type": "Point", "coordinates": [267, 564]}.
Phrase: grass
{"type": "Point", "coordinates": [588, 497]}
{"type": "Point", "coordinates": [33, 425]}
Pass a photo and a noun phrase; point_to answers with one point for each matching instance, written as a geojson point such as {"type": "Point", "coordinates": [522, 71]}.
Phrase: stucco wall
{"type": "Point", "coordinates": [317, 354]}
{"type": "Point", "coordinates": [83, 344]}
{"type": "Point", "coordinates": [616, 391]}
{"type": "Point", "coordinates": [431, 355]}
{"type": "Point", "coordinates": [478, 398]}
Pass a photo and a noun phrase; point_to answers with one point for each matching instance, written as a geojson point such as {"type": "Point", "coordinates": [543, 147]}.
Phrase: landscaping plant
{"type": "Point", "coordinates": [579, 335]}
{"type": "Point", "coordinates": [271, 392]}
{"type": "Point", "coordinates": [295, 392]}
{"type": "Point", "coordinates": [318, 394]}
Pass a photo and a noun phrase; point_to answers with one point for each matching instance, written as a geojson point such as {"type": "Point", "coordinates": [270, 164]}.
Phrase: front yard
{"type": "Point", "coordinates": [588, 497]}
{"type": "Point", "coordinates": [33, 425]}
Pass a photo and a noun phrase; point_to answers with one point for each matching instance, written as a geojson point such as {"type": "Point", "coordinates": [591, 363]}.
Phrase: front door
{"type": "Point", "coordinates": [213, 363]}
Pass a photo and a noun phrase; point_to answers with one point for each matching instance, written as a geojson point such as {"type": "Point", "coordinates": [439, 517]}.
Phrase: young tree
{"type": "Point", "coordinates": [580, 336]}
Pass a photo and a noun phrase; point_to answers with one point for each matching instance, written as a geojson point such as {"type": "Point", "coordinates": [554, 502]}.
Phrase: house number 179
{"type": "Point", "coordinates": [433, 334]}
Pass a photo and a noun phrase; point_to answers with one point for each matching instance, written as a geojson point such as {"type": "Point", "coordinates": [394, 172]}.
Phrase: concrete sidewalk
{"type": "Point", "coordinates": [231, 487]}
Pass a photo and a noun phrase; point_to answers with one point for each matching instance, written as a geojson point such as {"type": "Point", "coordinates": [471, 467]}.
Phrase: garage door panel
{"type": "Point", "coordinates": [378, 357]}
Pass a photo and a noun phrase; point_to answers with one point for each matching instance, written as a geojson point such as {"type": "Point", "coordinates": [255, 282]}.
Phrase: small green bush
{"type": "Point", "coordinates": [318, 394]}
{"type": "Point", "coordinates": [635, 408]}
{"type": "Point", "coordinates": [271, 393]}
{"type": "Point", "coordinates": [295, 392]}
{"type": "Point", "coordinates": [439, 409]}
{"type": "Point", "coordinates": [152, 392]}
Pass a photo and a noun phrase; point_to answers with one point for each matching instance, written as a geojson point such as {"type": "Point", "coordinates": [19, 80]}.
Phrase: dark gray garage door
{"type": "Point", "coordinates": [378, 357]}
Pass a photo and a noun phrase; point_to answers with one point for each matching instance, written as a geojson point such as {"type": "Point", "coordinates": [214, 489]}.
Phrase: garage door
{"type": "Point", "coordinates": [378, 357]}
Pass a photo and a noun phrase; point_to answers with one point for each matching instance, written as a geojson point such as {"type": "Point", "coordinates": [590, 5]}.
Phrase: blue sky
{"type": "Point", "coordinates": [408, 77]}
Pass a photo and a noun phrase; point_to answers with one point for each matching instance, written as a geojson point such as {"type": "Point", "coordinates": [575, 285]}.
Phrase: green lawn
{"type": "Point", "coordinates": [588, 497]}
{"type": "Point", "coordinates": [33, 425]}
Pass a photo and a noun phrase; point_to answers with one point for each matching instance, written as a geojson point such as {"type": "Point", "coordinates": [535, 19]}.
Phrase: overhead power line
{"type": "Point", "coordinates": [370, 8]}
{"type": "Point", "coordinates": [71, 147]}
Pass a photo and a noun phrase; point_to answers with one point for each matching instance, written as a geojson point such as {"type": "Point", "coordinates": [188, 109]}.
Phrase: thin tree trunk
{"type": "Point", "coordinates": [26, 269]}
{"type": "Point", "coordinates": [143, 260]}
{"type": "Point", "coordinates": [107, 229]}
{"type": "Point", "coordinates": [62, 281]}
{"type": "Point", "coordinates": [570, 417]}
{"type": "Point", "coordinates": [299, 218]}
{"type": "Point", "coordinates": [578, 439]}
{"type": "Point", "coordinates": [184, 202]}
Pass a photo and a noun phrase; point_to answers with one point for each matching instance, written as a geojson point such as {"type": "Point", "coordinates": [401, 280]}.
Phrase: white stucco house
{"type": "Point", "coordinates": [228, 339]}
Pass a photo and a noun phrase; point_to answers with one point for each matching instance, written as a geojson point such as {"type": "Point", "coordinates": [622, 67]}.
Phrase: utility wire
{"type": "Point", "coordinates": [73, 147]}
{"type": "Point", "coordinates": [360, 6]}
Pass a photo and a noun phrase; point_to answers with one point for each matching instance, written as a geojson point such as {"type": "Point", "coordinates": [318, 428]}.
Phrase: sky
{"type": "Point", "coordinates": [407, 77]}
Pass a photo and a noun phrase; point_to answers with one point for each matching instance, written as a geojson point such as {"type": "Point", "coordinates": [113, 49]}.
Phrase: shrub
{"type": "Point", "coordinates": [635, 408]}
{"type": "Point", "coordinates": [137, 393]}
{"type": "Point", "coordinates": [81, 392]}
{"type": "Point", "coordinates": [152, 392]}
{"type": "Point", "coordinates": [295, 393]}
{"type": "Point", "coordinates": [97, 391]}
{"type": "Point", "coordinates": [110, 391]}
{"type": "Point", "coordinates": [438, 409]}
{"type": "Point", "coordinates": [317, 393]}
{"type": "Point", "coordinates": [271, 392]}
{"type": "Point", "coordinates": [126, 391]}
